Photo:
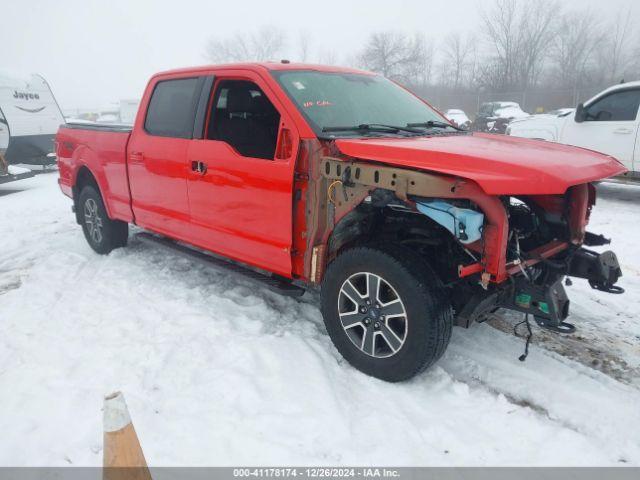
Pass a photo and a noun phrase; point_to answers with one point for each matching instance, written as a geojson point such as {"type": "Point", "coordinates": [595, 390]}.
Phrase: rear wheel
{"type": "Point", "coordinates": [386, 311]}
{"type": "Point", "coordinates": [102, 233]}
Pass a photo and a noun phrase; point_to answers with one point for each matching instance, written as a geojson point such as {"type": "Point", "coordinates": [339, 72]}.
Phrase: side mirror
{"type": "Point", "coordinates": [580, 113]}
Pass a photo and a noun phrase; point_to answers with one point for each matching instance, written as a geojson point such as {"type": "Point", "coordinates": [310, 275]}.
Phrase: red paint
{"type": "Point", "coordinates": [578, 200]}
{"type": "Point", "coordinates": [543, 252]}
{"type": "Point", "coordinates": [241, 208]}
{"type": "Point", "coordinates": [496, 230]}
{"type": "Point", "coordinates": [104, 154]}
{"type": "Point", "coordinates": [255, 210]}
{"type": "Point", "coordinates": [468, 270]}
{"type": "Point", "coordinates": [499, 164]}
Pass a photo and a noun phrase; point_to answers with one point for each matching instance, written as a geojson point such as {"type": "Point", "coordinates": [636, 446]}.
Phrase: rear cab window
{"type": "Point", "coordinates": [171, 111]}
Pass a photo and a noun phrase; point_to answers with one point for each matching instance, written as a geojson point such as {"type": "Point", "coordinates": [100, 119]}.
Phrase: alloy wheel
{"type": "Point", "coordinates": [372, 315]}
{"type": "Point", "coordinates": [92, 220]}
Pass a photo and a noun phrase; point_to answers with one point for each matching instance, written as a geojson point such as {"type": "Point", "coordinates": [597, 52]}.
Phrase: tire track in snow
{"type": "Point", "coordinates": [519, 400]}
{"type": "Point", "coordinates": [231, 373]}
{"type": "Point", "coordinates": [566, 392]}
{"type": "Point", "coordinates": [599, 351]}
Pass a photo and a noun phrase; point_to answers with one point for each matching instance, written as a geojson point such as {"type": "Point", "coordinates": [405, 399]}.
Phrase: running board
{"type": "Point", "coordinates": [278, 284]}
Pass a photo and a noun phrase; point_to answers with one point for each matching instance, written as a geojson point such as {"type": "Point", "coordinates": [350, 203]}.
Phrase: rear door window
{"type": "Point", "coordinates": [172, 108]}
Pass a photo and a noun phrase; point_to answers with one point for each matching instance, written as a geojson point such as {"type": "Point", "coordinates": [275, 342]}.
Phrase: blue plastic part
{"type": "Point", "coordinates": [463, 223]}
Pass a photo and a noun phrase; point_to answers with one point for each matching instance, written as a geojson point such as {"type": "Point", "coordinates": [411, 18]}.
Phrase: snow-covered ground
{"type": "Point", "coordinates": [218, 371]}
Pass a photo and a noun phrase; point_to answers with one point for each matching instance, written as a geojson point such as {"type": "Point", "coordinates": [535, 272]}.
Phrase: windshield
{"type": "Point", "coordinates": [333, 100]}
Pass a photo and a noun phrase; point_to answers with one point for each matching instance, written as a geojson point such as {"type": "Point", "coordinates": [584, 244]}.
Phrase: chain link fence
{"type": "Point", "coordinates": [535, 100]}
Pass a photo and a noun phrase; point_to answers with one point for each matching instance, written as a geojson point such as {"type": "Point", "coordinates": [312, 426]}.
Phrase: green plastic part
{"type": "Point", "coordinates": [544, 307]}
{"type": "Point", "coordinates": [523, 300]}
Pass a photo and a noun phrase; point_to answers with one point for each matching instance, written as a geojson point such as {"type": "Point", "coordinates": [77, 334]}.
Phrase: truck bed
{"type": "Point", "coordinates": [102, 149]}
{"type": "Point", "coordinates": [100, 127]}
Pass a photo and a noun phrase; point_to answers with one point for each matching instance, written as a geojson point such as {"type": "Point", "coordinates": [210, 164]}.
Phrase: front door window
{"type": "Point", "coordinates": [243, 117]}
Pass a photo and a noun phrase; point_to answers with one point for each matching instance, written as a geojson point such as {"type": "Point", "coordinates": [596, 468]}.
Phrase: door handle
{"type": "Point", "coordinates": [198, 166]}
{"type": "Point", "coordinates": [623, 131]}
{"type": "Point", "coordinates": [136, 156]}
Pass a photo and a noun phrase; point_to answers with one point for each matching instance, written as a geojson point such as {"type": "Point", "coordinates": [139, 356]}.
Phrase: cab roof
{"type": "Point", "coordinates": [613, 88]}
{"type": "Point", "coordinates": [269, 66]}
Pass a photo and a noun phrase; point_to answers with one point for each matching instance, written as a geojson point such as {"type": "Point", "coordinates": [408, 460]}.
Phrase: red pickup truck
{"type": "Point", "coordinates": [336, 178]}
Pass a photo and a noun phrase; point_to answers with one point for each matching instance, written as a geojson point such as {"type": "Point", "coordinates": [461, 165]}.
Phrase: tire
{"type": "Point", "coordinates": [421, 321]}
{"type": "Point", "coordinates": [102, 233]}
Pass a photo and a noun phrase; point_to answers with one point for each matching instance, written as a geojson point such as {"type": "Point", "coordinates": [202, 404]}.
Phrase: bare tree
{"type": "Point", "coordinates": [304, 45]}
{"type": "Point", "coordinates": [471, 80]}
{"type": "Point", "coordinates": [520, 45]}
{"type": "Point", "coordinates": [539, 29]}
{"type": "Point", "coordinates": [399, 56]}
{"type": "Point", "coordinates": [423, 71]}
{"type": "Point", "coordinates": [615, 54]}
{"type": "Point", "coordinates": [634, 64]}
{"type": "Point", "coordinates": [458, 58]}
{"type": "Point", "coordinates": [572, 52]}
{"type": "Point", "coordinates": [328, 57]}
{"type": "Point", "coordinates": [519, 35]}
{"type": "Point", "coordinates": [503, 37]}
{"type": "Point", "coordinates": [265, 44]}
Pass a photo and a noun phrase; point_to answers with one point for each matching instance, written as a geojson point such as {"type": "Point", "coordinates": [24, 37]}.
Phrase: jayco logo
{"type": "Point", "coordinates": [25, 95]}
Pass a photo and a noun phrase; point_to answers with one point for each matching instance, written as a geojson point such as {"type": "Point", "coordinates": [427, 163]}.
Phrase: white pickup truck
{"type": "Point", "coordinates": [607, 123]}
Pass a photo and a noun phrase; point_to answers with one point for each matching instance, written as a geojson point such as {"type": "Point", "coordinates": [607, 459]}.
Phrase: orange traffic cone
{"type": "Point", "coordinates": [123, 458]}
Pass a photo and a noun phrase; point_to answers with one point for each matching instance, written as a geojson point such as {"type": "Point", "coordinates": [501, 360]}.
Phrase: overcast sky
{"type": "Point", "coordinates": [94, 52]}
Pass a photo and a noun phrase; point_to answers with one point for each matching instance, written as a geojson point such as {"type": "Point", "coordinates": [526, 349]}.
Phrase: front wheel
{"type": "Point", "coordinates": [386, 311]}
{"type": "Point", "coordinates": [102, 233]}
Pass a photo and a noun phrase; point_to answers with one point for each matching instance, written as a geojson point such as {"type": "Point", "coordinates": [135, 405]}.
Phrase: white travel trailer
{"type": "Point", "coordinates": [7, 173]}
{"type": "Point", "coordinates": [4, 134]}
{"type": "Point", "coordinates": [31, 119]}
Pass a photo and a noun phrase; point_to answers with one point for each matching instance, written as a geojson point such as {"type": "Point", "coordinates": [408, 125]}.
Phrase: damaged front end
{"type": "Point", "coordinates": [547, 242]}
{"type": "Point", "coordinates": [491, 252]}
{"type": "Point", "coordinates": [539, 290]}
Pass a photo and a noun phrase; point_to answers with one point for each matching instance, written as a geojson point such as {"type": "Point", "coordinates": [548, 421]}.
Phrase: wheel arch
{"type": "Point", "coordinates": [359, 181]}
{"type": "Point", "coordinates": [391, 221]}
{"type": "Point", "coordinates": [84, 176]}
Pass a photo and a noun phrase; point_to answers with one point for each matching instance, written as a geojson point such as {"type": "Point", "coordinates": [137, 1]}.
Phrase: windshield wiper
{"type": "Point", "coordinates": [371, 127]}
{"type": "Point", "coordinates": [434, 124]}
